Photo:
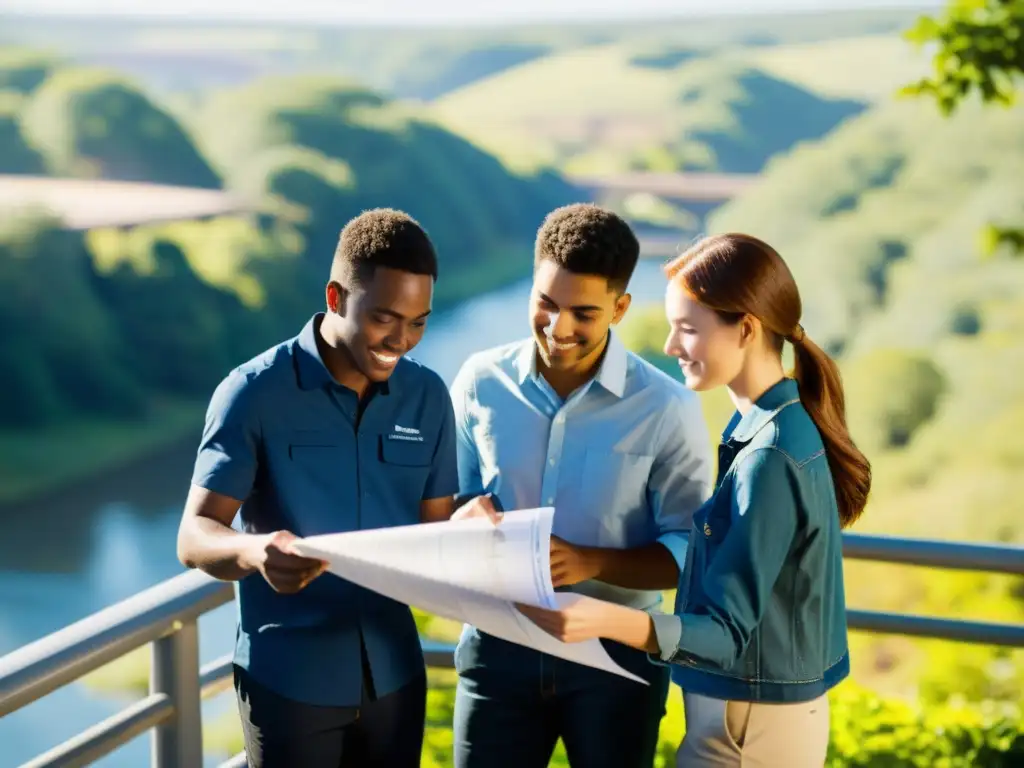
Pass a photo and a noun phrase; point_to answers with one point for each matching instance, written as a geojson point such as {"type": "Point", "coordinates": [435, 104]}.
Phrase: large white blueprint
{"type": "Point", "coordinates": [466, 570]}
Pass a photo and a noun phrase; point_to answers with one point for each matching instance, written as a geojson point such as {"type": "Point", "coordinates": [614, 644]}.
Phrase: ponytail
{"type": "Point", "coordinates": [821, 392]}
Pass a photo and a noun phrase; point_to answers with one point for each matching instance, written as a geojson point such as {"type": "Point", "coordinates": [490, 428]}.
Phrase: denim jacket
{"type": "Point", "coordinates": [760, 611]}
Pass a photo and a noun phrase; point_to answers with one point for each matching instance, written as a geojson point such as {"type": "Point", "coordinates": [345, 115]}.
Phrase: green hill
{"type": "Point", "coordinates": [319, 150]}
{"type": "Point", "coordinates": [867, 68]}
{"type": "Point", "coordinates": [94, 124]}
{"type": "Point", "coordinates": [896, 190]}
{"type": "Point", "coordinates": [623, 107]}
{"type": "Point", "coordinates": [17, 156]}
{"type": "Point", "coordinates": [879, 222]}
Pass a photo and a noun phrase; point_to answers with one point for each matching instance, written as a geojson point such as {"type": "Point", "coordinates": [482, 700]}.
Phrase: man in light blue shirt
{"type": "Point", "coordinates": [570, 419]}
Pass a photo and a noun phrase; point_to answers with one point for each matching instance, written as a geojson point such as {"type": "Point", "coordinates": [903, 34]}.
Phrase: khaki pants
{"type": "Point", "coordinates": [742, 734]}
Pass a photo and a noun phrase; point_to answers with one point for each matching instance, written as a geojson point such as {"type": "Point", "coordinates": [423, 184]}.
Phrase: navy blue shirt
{"type": "Point", "coordinates": [288, 441]}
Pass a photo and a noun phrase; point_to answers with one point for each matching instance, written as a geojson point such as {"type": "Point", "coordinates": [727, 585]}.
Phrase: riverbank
{"type": "Point", "coordinates": [38, 463]}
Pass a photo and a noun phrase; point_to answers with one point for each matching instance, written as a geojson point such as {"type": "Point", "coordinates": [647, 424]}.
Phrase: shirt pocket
{"type": "Point", "coordinates": [407, 465]}
{"type": "Point", "coordinates": [614, 495]}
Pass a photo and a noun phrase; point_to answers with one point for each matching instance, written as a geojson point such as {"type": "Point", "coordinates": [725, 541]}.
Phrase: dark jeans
{"type": "Point", "coordinates": [513, 703]}
{"type": "Point", "coordinates": [281, 733]}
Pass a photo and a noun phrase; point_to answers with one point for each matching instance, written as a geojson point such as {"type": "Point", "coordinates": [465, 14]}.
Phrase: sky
{"type": "Point", "coordinates": [436, 11]}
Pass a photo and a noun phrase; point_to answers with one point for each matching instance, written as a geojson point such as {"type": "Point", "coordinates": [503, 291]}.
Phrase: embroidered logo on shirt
{"type": "Point", "coordinates": [406, 433]}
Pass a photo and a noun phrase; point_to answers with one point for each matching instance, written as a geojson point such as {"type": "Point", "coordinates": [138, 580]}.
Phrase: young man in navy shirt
{"type": "Point", "coordinates": [332, 430]}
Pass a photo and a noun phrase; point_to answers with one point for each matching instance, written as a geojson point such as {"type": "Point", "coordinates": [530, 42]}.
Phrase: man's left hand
{"type": "Point", "coordinates": [571, 564]}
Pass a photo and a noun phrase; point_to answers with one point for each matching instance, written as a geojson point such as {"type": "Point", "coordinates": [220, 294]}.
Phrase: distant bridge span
{"type": "Point", "coordinates": [83, 204]}
{"type": "Point", "coordinates": [680, 187]}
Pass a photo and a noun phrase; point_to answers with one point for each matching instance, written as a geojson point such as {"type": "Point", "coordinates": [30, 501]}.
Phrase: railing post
{"type": "Point", "coordinates": [178, 743]}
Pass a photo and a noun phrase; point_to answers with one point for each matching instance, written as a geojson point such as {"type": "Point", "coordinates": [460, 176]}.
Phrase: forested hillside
{"type": "Point", "coordinates": [880, 222]}
{"type": "Point", "coordinates": [607, 109]}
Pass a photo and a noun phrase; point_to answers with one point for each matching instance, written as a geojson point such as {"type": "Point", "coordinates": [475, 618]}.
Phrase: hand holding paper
{"type": "Point", "coordinates": [468, 570]}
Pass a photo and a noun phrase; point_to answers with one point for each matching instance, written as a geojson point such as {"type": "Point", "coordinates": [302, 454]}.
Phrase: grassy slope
{"type": "Point", "coordinates": [611, 107]}
{"type": "Point", "coordinates": [39, 460]}
{"type": "Point", "coordinates": [870, 67]}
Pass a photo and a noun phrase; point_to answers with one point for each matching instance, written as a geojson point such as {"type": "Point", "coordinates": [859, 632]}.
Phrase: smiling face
{"type": "Point", "coordinates": [382, 319]}
{"type": "Point", "coordinates": [570, 315]}
{"type": "Point", "coordinates": [711, 350]}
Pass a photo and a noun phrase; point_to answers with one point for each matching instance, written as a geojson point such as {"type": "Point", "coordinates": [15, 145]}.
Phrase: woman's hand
{"type": "Point", "coordinates": [583, 618]}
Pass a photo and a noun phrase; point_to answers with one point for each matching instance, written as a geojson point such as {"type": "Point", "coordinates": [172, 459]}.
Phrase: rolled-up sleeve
{"type": "Point", "coordinates": [462, 394]}
{"type": "Point", "coordinates": [681, 475]}
{"type": "Point", "coordinates": [443, 479]}
{"type": "Point", "coordinates": [229, 448]}
{"type": "Point", "coordinates": [741, 575]}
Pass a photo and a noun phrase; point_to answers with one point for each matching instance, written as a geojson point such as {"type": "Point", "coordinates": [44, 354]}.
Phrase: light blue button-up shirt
{"type": "Point", "coordinates": [625, 460]}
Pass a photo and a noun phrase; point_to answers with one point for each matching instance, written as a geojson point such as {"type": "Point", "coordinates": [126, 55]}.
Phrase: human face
{"type": "Point", "coordinates": [381, 320]}
{"type": "Point", "coordinates": [570, 315]}
{"type": "Point", "coordinates": [711, 352]}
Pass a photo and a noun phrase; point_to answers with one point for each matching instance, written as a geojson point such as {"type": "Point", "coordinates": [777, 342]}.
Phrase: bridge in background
{"type": "Point", "coordinates": [678, 187]}
{"type": "Point", "coordinates": [83, 204]}
{"type": "Point", "coordinates": [165, 617]}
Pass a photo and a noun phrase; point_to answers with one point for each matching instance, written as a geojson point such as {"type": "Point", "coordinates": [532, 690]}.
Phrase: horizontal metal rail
{"type": "Point", "coordinates": [105, 737]}
{"type": "Point", "coordinates": [955, 555]}
{"type": "Point", "coordinates": [51, 662]}
{"type": "Point", "coordinates": [153, 616]}
{"type": "Point", "coordinates": [950, 630]}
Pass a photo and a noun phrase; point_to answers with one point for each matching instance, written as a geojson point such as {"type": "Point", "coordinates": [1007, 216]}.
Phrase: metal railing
{"type": "Point", "coordinates": [166, 617]}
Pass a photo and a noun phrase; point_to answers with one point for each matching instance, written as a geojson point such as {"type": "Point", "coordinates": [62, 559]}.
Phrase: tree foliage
{"type": "Point", "coordinates": [891, 393]}
{"type": "Point", "coordinates": [92, 124]}
{"type": "Point", "coordinates": [979, 50]}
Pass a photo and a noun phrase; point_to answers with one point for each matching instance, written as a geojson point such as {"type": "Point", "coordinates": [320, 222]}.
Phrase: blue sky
{"type": "Point", "coordinates": [437, 11]}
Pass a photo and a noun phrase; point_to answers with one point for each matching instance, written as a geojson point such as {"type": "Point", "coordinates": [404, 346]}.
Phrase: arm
{"type": "Point", "coordinates": [443, 482]}
{"type": "Point", "coordinates": [463, 395]}
{"type": "Point", "coordinates": [648, 567]}
{"type": "Point", "coordinates": [206, 540]}
{"type": "Point", "coordinates": [680, 478]}
{"type": "Point", "coordinates": [224, 473]}
{"type": "Point", "coordinates": [679, 483]}
{"type": "Point", "coordinates": [740, 577]}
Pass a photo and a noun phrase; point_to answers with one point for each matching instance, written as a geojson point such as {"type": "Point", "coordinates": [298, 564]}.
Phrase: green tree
{"type": "Point", "coordinates": [890, 394]}
{"type": "Point", "coordinates": [61, 351]}
{"type": "Point", "coordinates": [24, 70]}
{"type": "Point", "coordinates": [16, 156]}
{"type": "Point", "coordinates": [979, 51]}
{"type": "Point", "coordinates": [91, 124]}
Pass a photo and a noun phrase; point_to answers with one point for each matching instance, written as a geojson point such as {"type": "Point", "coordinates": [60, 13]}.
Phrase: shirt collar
{"type": "Point", "coordinates": [309, 366]}
{"type": "Point", "coordinates": [611, 373]}
{"type": "Point", "coordinates": [767, 406]}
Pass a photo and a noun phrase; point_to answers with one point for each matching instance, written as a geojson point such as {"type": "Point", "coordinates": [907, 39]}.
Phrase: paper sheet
{"type": "Point", "coordinates": [467, 570]}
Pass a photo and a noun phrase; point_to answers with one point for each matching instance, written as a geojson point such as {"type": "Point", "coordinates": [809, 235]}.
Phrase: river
{"type": "Point", "coordinates": [61, 560]}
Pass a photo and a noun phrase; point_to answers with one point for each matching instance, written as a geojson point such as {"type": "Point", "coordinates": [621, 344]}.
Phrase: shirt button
{"type": "Point", "coordinates": [551, 500]}
{"type": "Point", "coordinates": [559, 419]}
{"type": "Point", "coordinates": [551, 462]}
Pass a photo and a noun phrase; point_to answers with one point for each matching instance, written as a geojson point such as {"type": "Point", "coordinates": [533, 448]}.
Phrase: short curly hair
{"type": "Point", "coordinates": [382, 237]}
{"type": "Point", "coordinates": [589, 240]}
